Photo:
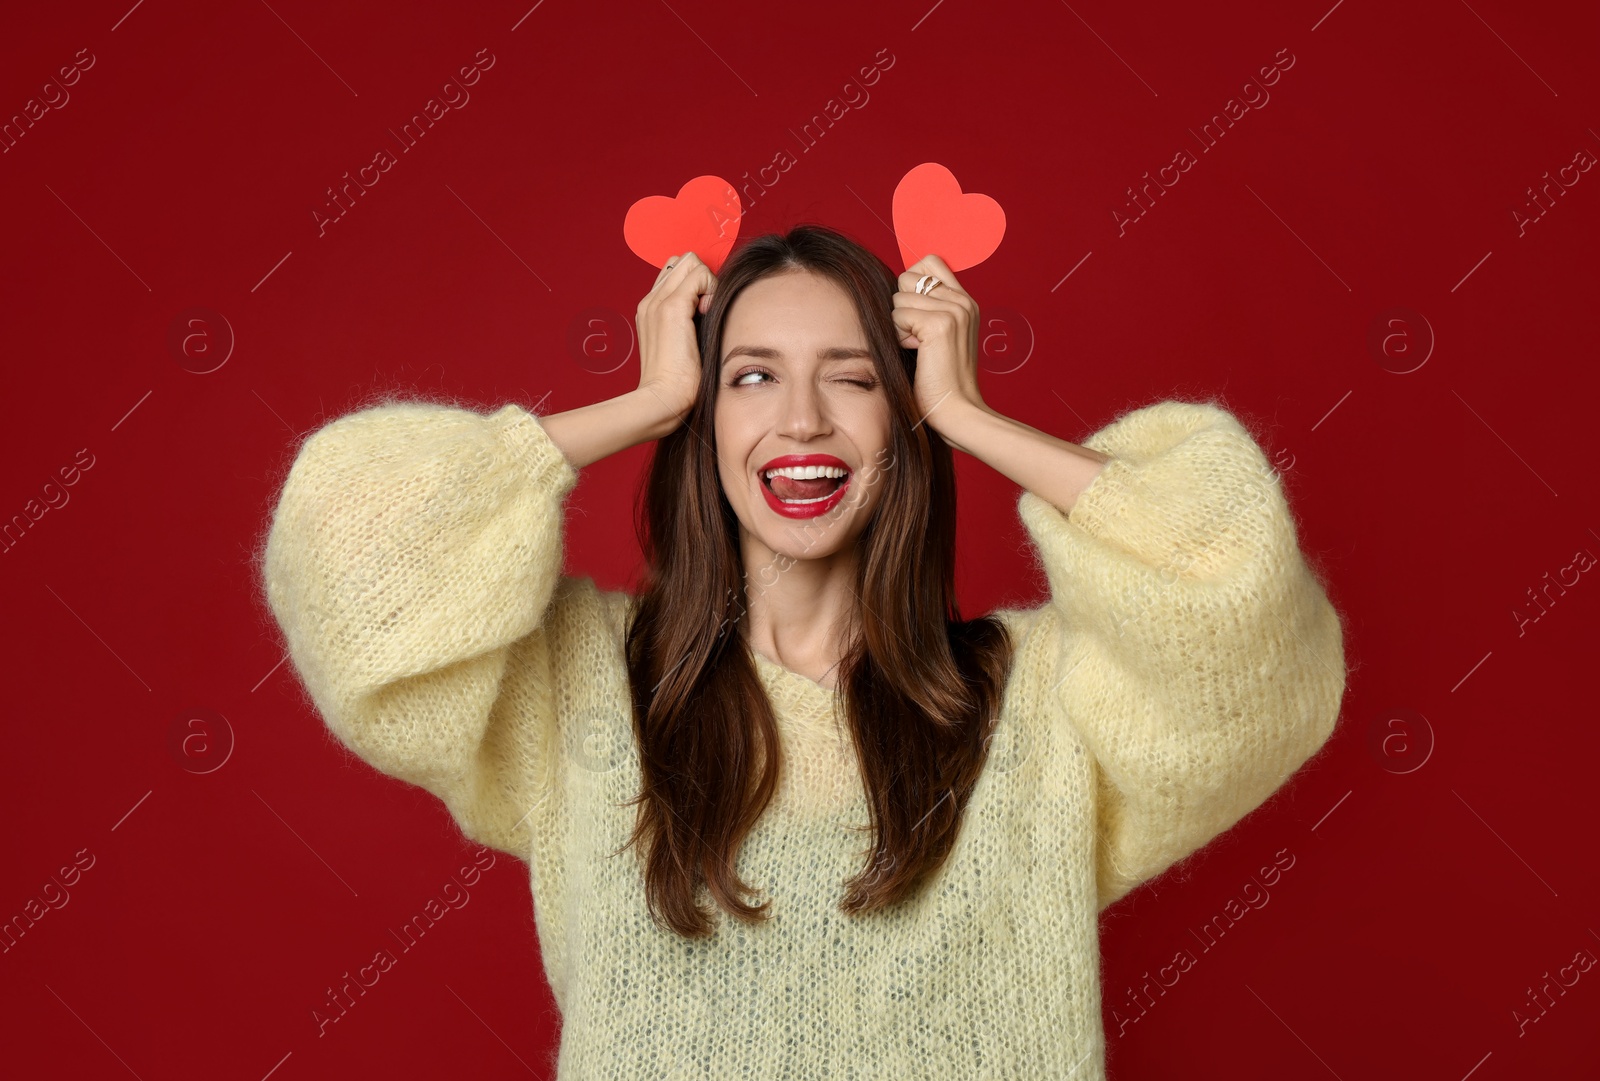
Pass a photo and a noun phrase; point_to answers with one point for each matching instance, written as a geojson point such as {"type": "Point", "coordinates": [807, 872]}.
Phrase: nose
{"type": "Point", "coordinates": [803, 416]}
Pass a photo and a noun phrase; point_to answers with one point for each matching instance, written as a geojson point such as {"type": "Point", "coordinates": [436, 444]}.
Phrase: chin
{"type": "Point", "coordinates": [793, 542]}
{"type": "Point", "coordinates": [806, 538]}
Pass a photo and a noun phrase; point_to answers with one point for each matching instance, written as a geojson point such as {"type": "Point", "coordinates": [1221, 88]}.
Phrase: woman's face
{"type": "Point", "coordinates": [797, 379]}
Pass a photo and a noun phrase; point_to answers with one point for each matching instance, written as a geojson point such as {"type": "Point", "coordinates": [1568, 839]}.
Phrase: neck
{"type": "Point", "coordinates": [799, 611]}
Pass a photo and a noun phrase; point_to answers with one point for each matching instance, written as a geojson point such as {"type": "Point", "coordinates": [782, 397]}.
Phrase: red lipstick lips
{"type": "Point", "coordinates": [804, 510]}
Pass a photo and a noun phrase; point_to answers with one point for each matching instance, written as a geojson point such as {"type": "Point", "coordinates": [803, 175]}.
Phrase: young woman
{"type": "Point", "coordinates": [793, 674]}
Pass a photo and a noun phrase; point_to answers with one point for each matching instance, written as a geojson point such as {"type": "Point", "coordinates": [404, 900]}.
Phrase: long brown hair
{"type": "Point", "coordinates": [921, 687]}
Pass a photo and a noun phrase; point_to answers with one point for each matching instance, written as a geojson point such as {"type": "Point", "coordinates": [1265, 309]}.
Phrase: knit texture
{"type": "Point", "coordinates": [1187, 663]}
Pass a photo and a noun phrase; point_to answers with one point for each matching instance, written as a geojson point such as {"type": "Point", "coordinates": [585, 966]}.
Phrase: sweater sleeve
{"type": "Point", "coordinates": [412, 555]}
{"type": "Point", "coordinates": [1199, 658]}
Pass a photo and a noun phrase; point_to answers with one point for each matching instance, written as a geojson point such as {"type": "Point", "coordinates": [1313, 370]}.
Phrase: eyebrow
{"type": "Point", "coordinates": [767, 352]}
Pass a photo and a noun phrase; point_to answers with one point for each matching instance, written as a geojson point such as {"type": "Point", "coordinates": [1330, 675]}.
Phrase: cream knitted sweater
{"type": "Point", "coordinates": [1187, 663]}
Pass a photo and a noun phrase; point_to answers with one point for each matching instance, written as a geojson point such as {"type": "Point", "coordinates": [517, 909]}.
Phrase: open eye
{"type": "Point", "coordinates": [744, 379]}
{"type": "Point", "coordinates": [739, 380]}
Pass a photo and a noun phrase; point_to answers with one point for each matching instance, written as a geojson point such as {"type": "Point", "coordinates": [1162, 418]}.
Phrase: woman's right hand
{"type": "Point", "coordinates": [669, 372]}
{"type": "Point", "coordinates": [669, 354]}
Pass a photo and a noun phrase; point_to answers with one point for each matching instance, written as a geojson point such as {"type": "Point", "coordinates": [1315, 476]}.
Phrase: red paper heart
{"type": "Point", "coordinates": [932, 214]}
{"type": "Point", "coordinates": [703, 218]}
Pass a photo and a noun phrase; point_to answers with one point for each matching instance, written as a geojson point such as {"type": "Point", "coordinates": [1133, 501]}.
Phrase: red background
{"type": "Point", "coordinates": [1436, 877]}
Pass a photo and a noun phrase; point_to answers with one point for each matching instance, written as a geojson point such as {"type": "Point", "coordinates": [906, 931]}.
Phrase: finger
{"type": "Point", "coordinates": [673, 262]}
{"type": "Point", "coordinates": [682, 273]}
{"type": "Point", "coordinates": [949, 285]}
{"type": "Point", "coordinates": [933, 264]}
{"type": "Point", "coordinates": [942, 290]}
{"type": "Point", "coordinates": [658, 286]}
{"type": "Point", "coordinates": [907, 323]}
{"type": "Point", "coordinates": [957, 309]}
{"type": "Point", "coordinates": [939, 298]}
{"type": "Point", "coordinates": [695, 281]}
{"type": "Point", "coordinates": [670, 280]}
{"type": "Point", "coordinates": [929, 319]}
{"type": "Point", "coordinates": [692, 289]}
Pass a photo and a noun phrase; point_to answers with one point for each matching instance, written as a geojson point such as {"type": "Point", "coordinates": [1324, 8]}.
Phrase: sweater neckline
{"type": "Point", "coordinates": [806, 683]}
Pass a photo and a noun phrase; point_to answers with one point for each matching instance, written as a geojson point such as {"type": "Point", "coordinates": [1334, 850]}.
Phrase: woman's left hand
{"type": "Point", "coordinates": [943, 328]}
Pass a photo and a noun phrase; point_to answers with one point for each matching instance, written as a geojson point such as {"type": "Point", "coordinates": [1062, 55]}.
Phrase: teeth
{"type": "Point", "coordinates": [807, 472]}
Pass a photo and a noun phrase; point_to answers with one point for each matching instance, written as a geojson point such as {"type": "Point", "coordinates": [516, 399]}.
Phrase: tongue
{"type": "Point", "coordinates": [788, 488]}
